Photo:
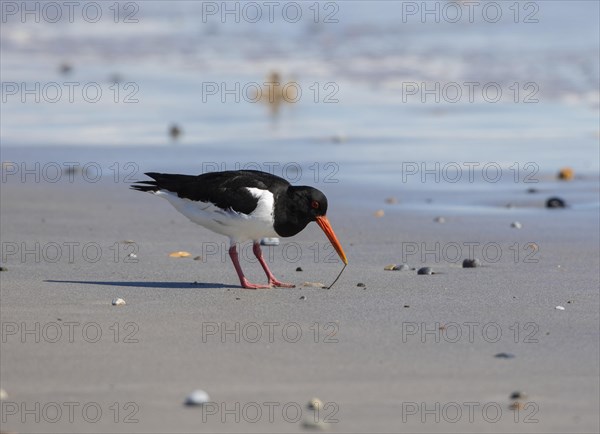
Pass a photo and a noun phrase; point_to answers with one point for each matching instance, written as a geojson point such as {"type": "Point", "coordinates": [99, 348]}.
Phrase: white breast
{"type": "Point", "coordinates": [237, 226]}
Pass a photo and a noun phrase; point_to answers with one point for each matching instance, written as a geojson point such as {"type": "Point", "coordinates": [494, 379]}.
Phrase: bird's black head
{"type": "Point", "coordinates": [296, 208]}
{"type": "Point", "coordinates": [299, 206]}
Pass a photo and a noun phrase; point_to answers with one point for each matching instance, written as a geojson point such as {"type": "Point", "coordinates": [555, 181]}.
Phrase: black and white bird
{"type": "Point", "coordinates": [245, 205]}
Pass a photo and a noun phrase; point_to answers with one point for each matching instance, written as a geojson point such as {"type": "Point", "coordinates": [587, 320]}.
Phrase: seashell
{"type": "Point", "coordinates": [391, 200]}
{"type": "Point", "coordinates": [566, 174]}
{"type": "Point", "coordinates": [516, 225]}
{"type": "Point", "coordinates": [559, 308]}
{"type": "Point", "coordinates": [302, 297]}
{"type": "Point", "coordinates": [197, 397]}
{"type": "Point", "coordinates": [314, 403]}
{"type": "Point", "coordinates": [132, 255]}
{"type": "Point", "coordinates": [516, 406]}
{"type": "Point", "coordinates": [118, 302]}
{"type": "Point", "coordinates": [379, 213]}
{"type": "Point", "coordinates": [401, 267]}
{"type": "Point", "coordinates": [180, 254]}
{"type": "Point", "coordinates": [439, 220]}
{"type": "Point", "coordinates": [3, 394]}
{"type": "Point", "coordinates": [390, 267]}
{"type": "Point", "coordinates": [127, 242]}
{"type": "Point", "coordinates": [269, 242]}
{"type": "Point", "coordinates": [313, 285]}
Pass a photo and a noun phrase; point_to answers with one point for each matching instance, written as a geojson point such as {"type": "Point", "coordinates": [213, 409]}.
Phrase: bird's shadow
{"type": "Point", "coordinates": [167, 285]}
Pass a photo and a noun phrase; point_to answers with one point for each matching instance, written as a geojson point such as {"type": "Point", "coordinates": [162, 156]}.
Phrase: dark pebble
{"type": "Point", "coordinates": [360, 285]}
{"type": "Point", "coordinates": [401, 267]}
{"type": "Point", "coordinates": [555, 202]}
{"type": "Point", "coordinates": [532, 190]}
{"type": "Point", "coordinates": [3, 269]}
{"type": "Point", "coordinates": [299, 269]}
{"type": "Point", "coordinates": [518, 395]}
{"type": "Point", "coordinates": [406, 306]}
{"type": "Point", "coordinates": [471, 263]}
{"type": "Point", "coordinates": [237, 298]}
{"type": "Point", "coordinates": [504, 356]}
{"type": "Point", "coordinates": [425, 270]}
{"type": "Point", "coordinates": [302, 297]}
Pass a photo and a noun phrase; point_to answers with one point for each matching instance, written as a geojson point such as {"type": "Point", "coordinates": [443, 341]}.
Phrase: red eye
{"type": "Point", "coordinates": [315, 204]}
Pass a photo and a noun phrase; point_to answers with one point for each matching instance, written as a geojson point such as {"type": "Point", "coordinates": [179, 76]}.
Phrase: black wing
{"type": "Point", "coordinates": [224, 189]}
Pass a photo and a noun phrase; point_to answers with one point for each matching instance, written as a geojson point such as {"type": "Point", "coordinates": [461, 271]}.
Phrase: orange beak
{"type": "Point", "coordinates": [326, 226]}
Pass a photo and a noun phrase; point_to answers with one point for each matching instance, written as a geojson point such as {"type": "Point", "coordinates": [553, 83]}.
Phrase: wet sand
{"type": "Point", "coordinates": [405, 353]}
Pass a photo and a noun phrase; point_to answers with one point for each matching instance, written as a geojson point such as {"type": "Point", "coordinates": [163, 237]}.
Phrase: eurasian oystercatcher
{"type": "Point", "coordinates": [245, 205]}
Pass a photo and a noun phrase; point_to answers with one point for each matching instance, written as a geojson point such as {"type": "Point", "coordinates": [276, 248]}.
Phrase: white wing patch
{"type": "Point", "coordinates": [237, 226]}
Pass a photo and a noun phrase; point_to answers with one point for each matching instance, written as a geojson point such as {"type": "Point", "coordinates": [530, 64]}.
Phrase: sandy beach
{"type": "Point", "coordinates": [404, 353]}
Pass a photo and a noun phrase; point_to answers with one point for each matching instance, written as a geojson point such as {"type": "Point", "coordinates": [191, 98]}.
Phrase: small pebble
{"type": "Point", "coordinates": [360, 285]}
{"type": "Point", "coordinates": [3, 394]}
{"type": "Point", "coordinates": [314, 403]}
{"type": "Point", "coordinates": [391, 200]}
{"type": "Point", "coordinates": [299, 269]}
{"type": "Point", "coordinates": [570, 301]}
{"type": "Point", "coordinates": [406, 306]}
{"type": "Point", "coordinates": [390, 267]}
{"type": "Point", "coordinates": [401, 267]}
{"type": "Point", "coordinates": [532, 190]}
{"type": "Point", "coordinates": [302, 297]}
{"type": "Point", "coordinates": [425, 271]}
{"type": "Point", "coordinates": [471, 263]}
{"type": "Point", "coordinates": [439, 220]}
{"type": "Point", "coordinates": [3, 269]}
{"type": "Point", "coordinates": [559, 308]}
{"type": "Point", "coordinates": [555, 202]}
{"type": "Point", "coordinates": [174, 131]}
{"type": "Point", "coordinates": [516, 225]}
{"type": "Point", "coordinates": [237, 298]}
{"type": "Point", "coordinates": [128, 242]}
{"type": "Point", "coordinates": [197, 397]}
{"type": "Point", "coordinates": [505, 356]}
{"type": "Point", "coordinates": [269, 242]}
{"type": "Point", "coordinates": [132, 255]}
{"type": "Point", "coordinates": [379, 213]}
{"type": "Point", "coordinates": [510, 205]}
{"type": "Point", "coordinates": [518, 395]}
{"type": "Point", "coordinates": [197, 258]}
{"type": "Point", "coordinates": [180, 254]}
{"type": "Point", "coordinates": [118, 302]}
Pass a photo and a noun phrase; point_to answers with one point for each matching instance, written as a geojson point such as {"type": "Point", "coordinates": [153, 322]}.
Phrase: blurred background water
{"type": "Point", "coordinates": [156, 64]}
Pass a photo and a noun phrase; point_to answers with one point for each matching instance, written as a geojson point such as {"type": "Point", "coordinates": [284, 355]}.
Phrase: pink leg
{"type": "Point", "coordinates": [272, 280]}
{"type": "Point", "coordinates": [236, 263]}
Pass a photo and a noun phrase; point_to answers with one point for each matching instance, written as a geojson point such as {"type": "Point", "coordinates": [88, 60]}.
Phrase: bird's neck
{"type": "Point", "coordinates": [289, 216]}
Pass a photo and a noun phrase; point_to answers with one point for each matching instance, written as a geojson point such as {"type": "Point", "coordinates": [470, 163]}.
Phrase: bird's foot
{"type": "Point", "coordinates": [248, 285]}
{"type": "Point", "coordinates": [279, 284]}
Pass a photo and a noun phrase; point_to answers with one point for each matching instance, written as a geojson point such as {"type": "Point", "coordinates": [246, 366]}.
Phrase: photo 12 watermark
{"type": "Point", "coordinates": [468, 412]}
{"type": "Point", "coordinates": [452, 172]}
{"type": "Point", "coordinates": [70, 412]}
{"type": "Point", "coordinates": [70, 332]}
{"type": "Point", "coordinates": [270, 12]}
{"type": "Point", "coordinates": [271, 92]}
{"type": "Point", "coordinates": [70, 171]}
{"type": "Point", "coordinates": [70, 252]}
{"type": "Point", "coordinates": [469, 92]}
{"type": "Point", "coordinates": [70, 92]}
{"type": "Point", "coordinates": [453, 12]}
{"type": "Point", "coordinates": [53, 12]}
{"type": "Point", "coordinates": [269, 332]}
{"type": "Point", "coordinates": [469, 332]}
{"type": "Point", "coordinates": [269, 412]}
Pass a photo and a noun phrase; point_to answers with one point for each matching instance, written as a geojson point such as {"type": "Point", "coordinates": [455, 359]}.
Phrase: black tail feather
{"type": "Point", "coordinates": [160, 181]}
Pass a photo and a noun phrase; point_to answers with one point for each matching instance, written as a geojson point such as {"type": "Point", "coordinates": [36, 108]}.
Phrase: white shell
{"type": "Point", "coordinates": [118, 302]}
{"type": "Point", "coordinates": [3, 394]}
{"type": "Point", "coordinates": [197, 397]}
{"type": "Point", "coordinates": [516, 225]}
{"type": "Point", "coordinates": [269, 241]}
{"type": "Point", "coordinates": [559, 308]}
{"type": "Point", "coordinates": [314, 403]}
